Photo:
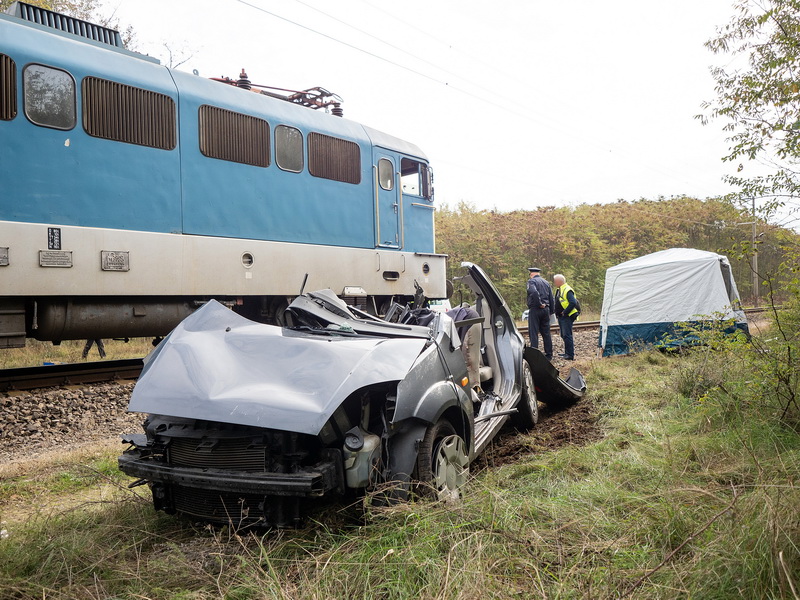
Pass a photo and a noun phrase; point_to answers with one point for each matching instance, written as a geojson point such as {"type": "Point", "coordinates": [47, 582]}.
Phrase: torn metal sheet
{"type": "Point", "coordinates": [219, 366]}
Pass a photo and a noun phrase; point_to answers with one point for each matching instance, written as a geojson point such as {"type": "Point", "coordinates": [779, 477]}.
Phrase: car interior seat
{"type": "Point", "coordinates": [477, 371]}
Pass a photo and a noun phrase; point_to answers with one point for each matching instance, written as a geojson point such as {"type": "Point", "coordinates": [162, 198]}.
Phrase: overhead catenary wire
{"type": "Point", "coordinates": [527, 116]}
{"type": "Point", "coordinates": [498, 69]}
{"type": "Point", "coordinates": [338, 41]}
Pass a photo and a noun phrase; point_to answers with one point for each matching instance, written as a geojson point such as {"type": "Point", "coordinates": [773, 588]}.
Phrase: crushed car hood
{"type": "Point", "coordinates": [219, 366]}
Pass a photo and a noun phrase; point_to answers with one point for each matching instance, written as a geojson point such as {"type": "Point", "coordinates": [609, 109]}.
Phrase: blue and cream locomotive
{"type": "Point", "coordinates": [130, 193]}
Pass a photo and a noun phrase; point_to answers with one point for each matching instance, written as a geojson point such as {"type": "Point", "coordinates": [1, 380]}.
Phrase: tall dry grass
{"type": "Point", "coordinates": [36, 353]}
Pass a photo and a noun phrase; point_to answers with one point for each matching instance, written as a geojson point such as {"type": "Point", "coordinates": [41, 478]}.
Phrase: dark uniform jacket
{"type": "Point", "coordinates": [540, 292]}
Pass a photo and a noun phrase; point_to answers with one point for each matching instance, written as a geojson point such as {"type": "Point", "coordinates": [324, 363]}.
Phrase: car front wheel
{"type": "Point", "coordinates": [443, 462]}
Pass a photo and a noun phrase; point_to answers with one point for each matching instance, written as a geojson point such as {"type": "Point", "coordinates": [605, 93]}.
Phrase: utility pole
{"type": "Point", "coordinates": [755, 257]}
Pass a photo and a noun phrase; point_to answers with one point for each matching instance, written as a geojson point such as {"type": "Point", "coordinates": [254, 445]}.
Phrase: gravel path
{"type": "Point", "coordinates": [585, 342]}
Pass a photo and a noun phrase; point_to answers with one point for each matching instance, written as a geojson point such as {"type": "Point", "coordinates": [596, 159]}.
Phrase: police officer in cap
{"type": "Point", "coordinates": [540, 306]}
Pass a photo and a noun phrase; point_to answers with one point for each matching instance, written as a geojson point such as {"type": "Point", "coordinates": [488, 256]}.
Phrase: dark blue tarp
{"type": "Point", "coordinates": [623, 339]}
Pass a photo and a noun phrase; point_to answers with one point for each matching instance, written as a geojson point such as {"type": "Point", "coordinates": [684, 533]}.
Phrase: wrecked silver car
{"type": "Point", "coordinates": [247, 422]}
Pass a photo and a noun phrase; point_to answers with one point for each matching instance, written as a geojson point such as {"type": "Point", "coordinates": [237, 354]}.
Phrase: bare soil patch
{"type": "Point", "coordinates": [574, 425]}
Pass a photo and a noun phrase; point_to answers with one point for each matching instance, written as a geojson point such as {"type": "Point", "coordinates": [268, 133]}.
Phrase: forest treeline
{"type": "Point", "coordinates": [582, 242]}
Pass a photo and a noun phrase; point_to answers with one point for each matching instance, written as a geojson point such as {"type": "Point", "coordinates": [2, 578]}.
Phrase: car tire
{"type": "Point", "coordinates": [528, 408]}
{"type": "Point", "coordinates": [442, 463]}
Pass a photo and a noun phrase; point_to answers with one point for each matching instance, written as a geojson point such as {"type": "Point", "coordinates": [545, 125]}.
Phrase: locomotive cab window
{"type": "Point", "coordinates": [416, 178]}
{"type": "Point", "coordinates": [8, 88]}
{"type": "Point", "coordinates": [386, 174]}
{"type": "Point", "coordinates": [233, 136]}
{"type": "Point", "coordinates": [49, 97]}
{"type": "Point", "coordinates": [289, 148]}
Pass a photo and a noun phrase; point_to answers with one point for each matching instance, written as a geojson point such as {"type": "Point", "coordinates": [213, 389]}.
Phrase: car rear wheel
{"type": "Point", "coordinates": [528, 408]}
{"type": "Point", "coordinates": [443, 462]}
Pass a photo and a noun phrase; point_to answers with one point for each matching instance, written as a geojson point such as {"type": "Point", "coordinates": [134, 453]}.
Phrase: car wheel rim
{"type": "Point", "coordinates": [450, 468]}
{"type": "Point", "coordinates": [530, 393]}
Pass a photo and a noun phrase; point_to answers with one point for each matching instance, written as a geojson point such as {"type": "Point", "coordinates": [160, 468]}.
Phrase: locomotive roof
{"type": "Point", "coordinates": [384, 140]}
{"type": "Point", "coordinates": [55, 23]}
{"type": "Point", "coordinates": [69, 24]}
{"type": "Point", "coordinates": [107, 39]}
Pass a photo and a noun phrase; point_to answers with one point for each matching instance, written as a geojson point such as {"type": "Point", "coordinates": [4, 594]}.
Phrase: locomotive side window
{"type": "Point", "coordinates": [289, 148]}
{"type": "Point", "coordinates": [233, 136]}
{"type": "Point", "coordinates": [8, 88]}
{"type": "Point", "coordinates": [415, 178]}
{"type": "Point", "coordinates": [334, 158]}
{"type": "Point", "coordinates": [386, 174]}
{"type": "Point", "coordinates": [115, 111]}
{"type": "Point", "coordinates": [49, 97]}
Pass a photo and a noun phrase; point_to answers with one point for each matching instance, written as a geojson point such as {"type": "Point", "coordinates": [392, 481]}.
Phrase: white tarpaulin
{"type": "Point", "coordinates": [644, 297]}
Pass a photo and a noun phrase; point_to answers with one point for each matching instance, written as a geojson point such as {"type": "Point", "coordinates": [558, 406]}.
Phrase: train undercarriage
{"type": "Point", "coordinates": [90, 318]}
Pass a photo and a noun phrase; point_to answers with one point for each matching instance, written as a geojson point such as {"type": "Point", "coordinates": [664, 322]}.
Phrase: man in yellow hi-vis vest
{"type": "Point", "coordinates": [567, 310]}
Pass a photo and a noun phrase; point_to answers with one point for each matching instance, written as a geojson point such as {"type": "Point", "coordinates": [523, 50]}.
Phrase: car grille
{"type": "Point", "coordinates": [229, 454]}
{"type": "Point", "coordinates": [218, 506]}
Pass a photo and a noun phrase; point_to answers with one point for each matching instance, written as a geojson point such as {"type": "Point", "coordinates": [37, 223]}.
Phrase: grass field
{"type": "Point", "coordinates": [36, 353]}
{"type": "Point", "coordinates": [691, 491]}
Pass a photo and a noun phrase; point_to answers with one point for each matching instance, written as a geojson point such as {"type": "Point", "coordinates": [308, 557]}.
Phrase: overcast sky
{"type": "Point", "coordinates": [517, 104]}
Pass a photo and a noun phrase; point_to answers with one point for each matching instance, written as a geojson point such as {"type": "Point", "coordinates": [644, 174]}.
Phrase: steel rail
{"type": "Point", "coordinates": [523, 325]}
{"type": "Point", "coordinates": [596, 324]}
{"type": "Point", "coordinates": [28, 378]}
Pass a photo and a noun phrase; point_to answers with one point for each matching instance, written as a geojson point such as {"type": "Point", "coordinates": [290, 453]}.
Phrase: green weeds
{"type": "Point", "coordinates": [63, 477]}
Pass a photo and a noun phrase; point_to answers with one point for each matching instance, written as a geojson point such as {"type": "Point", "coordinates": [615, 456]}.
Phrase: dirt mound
{"type": "Point", "coordinates": [575, 425]}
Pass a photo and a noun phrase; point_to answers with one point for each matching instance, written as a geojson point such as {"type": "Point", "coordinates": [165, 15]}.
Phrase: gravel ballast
{"type": "Point", "coordinates": [47, 419]}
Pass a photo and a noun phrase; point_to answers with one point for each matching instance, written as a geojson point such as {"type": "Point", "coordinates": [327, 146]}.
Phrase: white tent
{"type": "Point", "coordinates": [645, 297]}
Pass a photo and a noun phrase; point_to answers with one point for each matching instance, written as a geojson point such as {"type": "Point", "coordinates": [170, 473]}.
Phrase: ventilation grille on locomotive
{"type": "Point", "coordinates": [8, 88]}
{"type": "Point", "coordinates": [233, 136]}
{"type": "Point", "coordinates": [334, 158]}
{"type": "Point", "coordinates": [115, 111]}
{"type": "Point", "coordinates": [54, 20]}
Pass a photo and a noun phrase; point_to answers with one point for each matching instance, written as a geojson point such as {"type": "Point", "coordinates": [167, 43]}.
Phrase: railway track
{"type": "Point", "coordinates": [584, 325]}
{"type": "Point", "coordinates": [595, 324]}
{"type": "Point", "coordinates": [577, 325]}
{"type": "Point", "coordinates": [580, 325]}
{"type": "Point", "coordinates": [27, 378]}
